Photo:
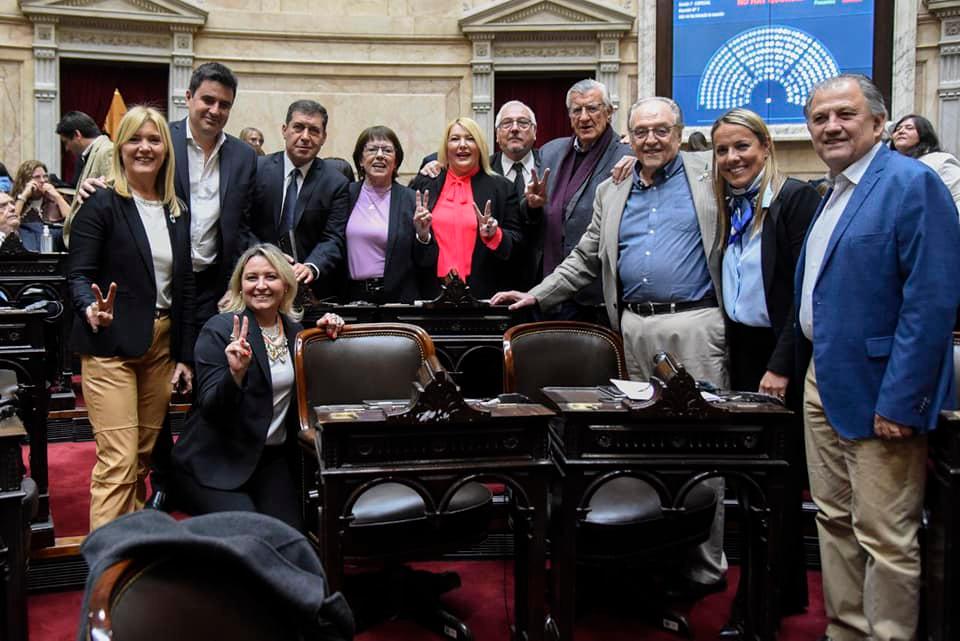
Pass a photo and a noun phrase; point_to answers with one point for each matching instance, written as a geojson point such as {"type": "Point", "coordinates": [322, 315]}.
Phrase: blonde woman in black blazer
{"type": "Point", "coordinates": [493, 211]}
{"type": "Point", "coordinates": [764, 218]}
{"type": "Point", "coordinates": [239, 445]}
{"type": "Point", "coordinates": [132, 288]}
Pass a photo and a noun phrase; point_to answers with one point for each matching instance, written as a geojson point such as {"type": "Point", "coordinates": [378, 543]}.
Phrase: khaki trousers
{"type": "Point", "coordinates": [870, 494]}
{"type": "Point", "coordinates": [697, 339]}
{"type": "Point", "coordinates": [127, 400]}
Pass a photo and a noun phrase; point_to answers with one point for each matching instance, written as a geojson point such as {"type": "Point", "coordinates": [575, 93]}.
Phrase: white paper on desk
{"type": "Point", "coordinates": [710, 397]}
{"type": "Point", "coordinates": [634, 390]}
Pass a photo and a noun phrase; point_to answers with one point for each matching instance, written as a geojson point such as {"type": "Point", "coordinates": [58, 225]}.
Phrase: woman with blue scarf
{"type": "Point", "coordinates": [764, 218]}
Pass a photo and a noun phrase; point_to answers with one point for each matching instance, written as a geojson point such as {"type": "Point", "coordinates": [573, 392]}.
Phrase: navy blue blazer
{"type": "Point", "coordinates": [109, 243]}
{"type": "Point", "coordinates": [226, 430]}
{"type": "Point", "coordinates": [407, 261]}
{"type": "Point", "coordinates": [320, 218]}
{"type": "Point", "coordinates": [238, 167]}
{"type": "Point", "coordinates": [885, 301]}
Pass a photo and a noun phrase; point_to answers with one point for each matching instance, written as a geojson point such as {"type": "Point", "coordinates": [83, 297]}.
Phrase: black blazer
{"type": "Point", "coordinates": [320, 219]}
{"type": "Point", "coordinates": [407, 261]}
{"type": "Point", "coordinates": [781, 240]}
{"type": "Point", "coordinates": [226, 430]}
{"type": "Point", "coordinates": [238, 166]}
{"type": "Point", "coordinates": [490, 271]}
{"type": "Point", "coordinates": [109, 243]}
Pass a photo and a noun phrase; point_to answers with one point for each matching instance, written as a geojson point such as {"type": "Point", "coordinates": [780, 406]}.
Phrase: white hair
{"type": "Point", "coordinates": [514, 103]}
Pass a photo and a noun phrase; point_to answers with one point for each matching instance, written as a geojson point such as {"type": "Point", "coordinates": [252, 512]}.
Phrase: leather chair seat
{"type": "Point", "coordinates": [626, 519]}
{"type": "Point", "coordinates": [391, 518]}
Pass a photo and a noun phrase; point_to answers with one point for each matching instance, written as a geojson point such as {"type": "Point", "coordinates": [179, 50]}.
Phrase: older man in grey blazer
{"type": "Point", "coordinates": [652, 244]}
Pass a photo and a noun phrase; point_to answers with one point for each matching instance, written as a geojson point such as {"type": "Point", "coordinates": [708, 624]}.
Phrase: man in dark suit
{"type": "Point", "coordinates": [214, 179]}
{"type": "Point", "coordinates": [559, 211]}
{"type": "Point", "coordinates": [300, 203]}
{"type": "Point", "coordinates": [215, 173]}
{"type": "Point", "coordinates": [876, 294]}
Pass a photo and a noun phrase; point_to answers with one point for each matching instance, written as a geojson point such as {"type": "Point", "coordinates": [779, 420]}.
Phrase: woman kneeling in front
{"type": "Point", "coordinates": [239, 442]}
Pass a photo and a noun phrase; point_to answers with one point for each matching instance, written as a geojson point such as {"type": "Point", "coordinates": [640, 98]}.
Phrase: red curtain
{"type": "Point", "coordinates": [88, 86]}
{"type": "Point", "coordinates": [545, 94]}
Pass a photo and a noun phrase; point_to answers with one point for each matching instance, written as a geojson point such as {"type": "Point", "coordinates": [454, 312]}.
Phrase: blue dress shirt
{"type": "Point", "coordinates": [661, 250]}
{"type": "Point", "coordinates": [744, 298]}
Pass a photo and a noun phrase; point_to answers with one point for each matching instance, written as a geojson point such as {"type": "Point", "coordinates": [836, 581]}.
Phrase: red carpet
{"type": "Point", "coordinates": [482, 601]}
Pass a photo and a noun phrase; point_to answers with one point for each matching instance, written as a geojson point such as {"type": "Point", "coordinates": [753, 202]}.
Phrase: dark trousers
{"type": "Point", "coordinates": [209, 292]}
{"type": "Point", "coordinates": [750, 349]}
{"type": "Point", "coordinates": [271, 490]}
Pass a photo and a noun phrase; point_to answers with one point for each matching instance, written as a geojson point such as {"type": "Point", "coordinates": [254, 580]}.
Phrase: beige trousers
{"type": "Point", "coordinates": [870, 494]}
{"type": "Point", "coordinates": [697, 339]}
{"type": "Point", "coordinates": [127, 399]}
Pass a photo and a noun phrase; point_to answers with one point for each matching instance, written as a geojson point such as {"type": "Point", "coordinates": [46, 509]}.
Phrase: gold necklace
{"type": "Point", "coordinates": [275, 342]}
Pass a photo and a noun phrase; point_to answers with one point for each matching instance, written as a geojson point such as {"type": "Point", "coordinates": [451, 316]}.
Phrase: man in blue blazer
{"type": "Point", "coordinates": [877, 297]}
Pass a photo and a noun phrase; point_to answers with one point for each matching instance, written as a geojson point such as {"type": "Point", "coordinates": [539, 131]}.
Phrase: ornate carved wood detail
{"type": "Point", "coordinates": [676, 395]}
{"type": "Point", "coordinates": [12, 434]}
{"type": "Point", "coordinates": [454, 292]}
{"type": "Point", "coordinates": [437, 399]}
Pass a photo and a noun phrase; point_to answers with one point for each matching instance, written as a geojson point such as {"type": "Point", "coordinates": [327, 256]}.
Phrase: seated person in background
{"type": "Point", "coordinates": [253, 137]}
{"type": "Point", "coordinates": [471, 216]}
{"type": "Point", "coordinates": [10, 225]}
{"type": "Point", "coordinates": [383, 255]}
{"type": "Point", "coordinates": [914, 136]}
{"type": "Point", "coordinates": [38, 201]}
{"type": "Point", "coordinates": [240, 438]}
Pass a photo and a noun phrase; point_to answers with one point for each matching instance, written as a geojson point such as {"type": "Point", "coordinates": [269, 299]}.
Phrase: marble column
{"type": "Point", "coordinates": [608, 64]}
{"type": "Point", "coordinates": [948, 90]}
{"type": "Point", "coordinates": [904, 59]}
{"type": "Point", "coordinates": [482, 66]}
{"type": "Point", "coordinates": [181, 68]}
{"type": "Point", "coordinates": [46, 93]}
{"type": "Point", "coordinates": [646, 51]}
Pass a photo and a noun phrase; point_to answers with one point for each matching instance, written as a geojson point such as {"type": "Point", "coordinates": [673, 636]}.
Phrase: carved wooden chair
{"type": "Point", "coordinates": [380, 517]}
{"type": "Point", "coordinates": [622, 522]}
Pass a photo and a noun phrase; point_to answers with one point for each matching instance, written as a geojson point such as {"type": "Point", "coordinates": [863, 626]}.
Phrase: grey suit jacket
{"type": "Point", "coordinates": [598, 251]}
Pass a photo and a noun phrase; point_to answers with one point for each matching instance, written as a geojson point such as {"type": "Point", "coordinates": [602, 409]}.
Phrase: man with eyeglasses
{"type": "Point", "coordinates": [651, 243]}
{"type": "Point", "coordinates": [300, 202]}
{"type": "Point", "coordinates": [559, 209]}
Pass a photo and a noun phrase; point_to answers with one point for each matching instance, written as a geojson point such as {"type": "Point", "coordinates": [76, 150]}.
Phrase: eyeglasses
{"type": "Point", "coordinates": [662, 133]}
{"type": "Point", "coordinates": [522, 124]}
{"type": "Point", "coordinates": [373, 150]}
{"type": "Point", "coordinates": [592, 110]}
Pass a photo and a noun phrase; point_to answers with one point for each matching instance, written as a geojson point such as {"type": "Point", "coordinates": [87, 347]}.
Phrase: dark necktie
{"type": "Point", "coordinates": [518, 182]}
{"type": "Point", "coordinates": [284, 231]}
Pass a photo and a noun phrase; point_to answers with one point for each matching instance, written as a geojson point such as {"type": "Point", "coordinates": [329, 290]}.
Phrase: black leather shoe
{"type": "Point", "coordinates": [693, 590]}
{"type": "Point", "coordinates": [158, 501]}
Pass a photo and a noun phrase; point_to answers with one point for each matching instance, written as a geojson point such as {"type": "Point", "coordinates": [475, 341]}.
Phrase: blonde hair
{"type": "Point", "coordinates": [129, 126]}
{"type": "Point", "coordinates": [771, 173]}
{"type": "Point", "coordinates": [474, 130]}
{"type": "Point", "coordinates": [233, 301]}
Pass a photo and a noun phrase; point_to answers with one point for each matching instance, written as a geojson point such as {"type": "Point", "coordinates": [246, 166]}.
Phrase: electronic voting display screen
{"type": "Point", "coordinates": [764, 54]}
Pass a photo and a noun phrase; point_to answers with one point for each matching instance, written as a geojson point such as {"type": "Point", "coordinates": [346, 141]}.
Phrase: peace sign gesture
{"type": "Point", "coordinates": [100, 312]}
{"type": "Point", "coordinates": [422, 216]}
{"type": "Point", "coordinates": [536, 193]}
{"type": "Point", "coordinates": [238, 350]}
{"type": "Point", "coordinates": [488, 224]}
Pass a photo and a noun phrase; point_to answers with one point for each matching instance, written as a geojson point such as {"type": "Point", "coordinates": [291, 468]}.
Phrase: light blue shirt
{"type": "Point", "coordinates": [744, 298]}
{"type": "Point", "coordinates": [661, 250]}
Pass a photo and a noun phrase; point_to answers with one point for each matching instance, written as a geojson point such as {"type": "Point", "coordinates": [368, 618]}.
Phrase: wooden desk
{"type": "Point", "coordinates": [22, 349]}
{"type": "Point", "coordinates": [941, 537]}
{"type": "Point", "coordinates": [678, 439]}
{"type": "Point", "coordinates": [15, 505]}
{"type": "Point", "coordinates": [352, 446]}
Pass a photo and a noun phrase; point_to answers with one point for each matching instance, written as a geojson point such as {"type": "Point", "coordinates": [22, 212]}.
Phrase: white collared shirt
{"type": "Point", "coordinates": [528, 166]}
{"type": "Point", "coordinates": [204, 174]}
{"type": "Point", "coordinates": [844, 184]}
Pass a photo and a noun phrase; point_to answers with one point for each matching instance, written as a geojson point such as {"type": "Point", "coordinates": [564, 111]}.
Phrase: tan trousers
{"type": "Point", "coordinates": [869, 494]}
{"type": "Point", "coordinates": [697, 339]}
{"type": "Point", "coordinates": [127, 399]}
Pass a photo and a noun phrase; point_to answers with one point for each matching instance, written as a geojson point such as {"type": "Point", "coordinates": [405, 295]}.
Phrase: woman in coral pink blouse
{"type": "Point", "coordinates": [468, 215]}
